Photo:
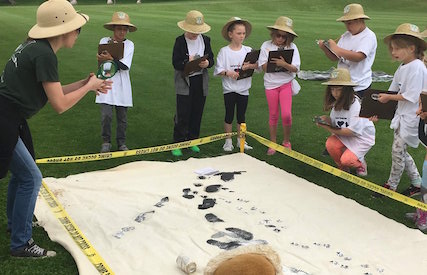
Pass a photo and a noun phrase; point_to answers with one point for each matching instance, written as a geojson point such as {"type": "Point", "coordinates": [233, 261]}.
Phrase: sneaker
{"type": "Point", "coordinates": [411, 216]}
{"type": "Point", "coordinates": [246, 145]}
{"type": "Point", "coordinates": [362, 171]}
{"type": "Point", "coordinates": [123, 147]}
{"type": "Point", "coordinates": [105, 147]}
{"type": "Point", "coordinates": [287, 144]}
{"type": "Point", "coordinates": [109, 2]}
{"type": "Point", "coordinates": [411, 191]}
{"type": "Point", "coordinates": [195, 149]}
{"type": "Point", "coordinates": [421, 222]}
{"type": "Point", "coordinates": [228, 145]}
{"type": "Point", "coordinates": [31, 250]}
{"type": "Point", "coordinates": [271, 151]}
{"type": "Point", "coordinates": [177, 152]}
{"type": "Point", "coordinates": [379, 195]}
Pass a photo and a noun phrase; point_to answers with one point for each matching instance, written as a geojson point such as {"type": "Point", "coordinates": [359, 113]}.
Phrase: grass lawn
{"type": "Point", "coordinates": [151, 119]}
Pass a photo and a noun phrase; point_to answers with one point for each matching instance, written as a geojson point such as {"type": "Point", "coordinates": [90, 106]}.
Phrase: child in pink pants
{"type": "Point", "coordinates": [351, 136]}
{"type": "Point", "coordinates": [280, 85]}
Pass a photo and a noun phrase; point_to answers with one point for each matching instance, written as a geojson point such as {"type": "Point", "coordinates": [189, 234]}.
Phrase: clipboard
{"type": "Point", "coordinates": [193, 66]}
{"type": "Point", "coordinates": [372, 107]}
{"type": "Point", "coordinates": [286, 54]}
{"type": "Point", "coordinates": [251, 57]}
{"type": "Point", "coordinates": [423, 97]}
{"type": "Point", "coordinates": [116, 50]}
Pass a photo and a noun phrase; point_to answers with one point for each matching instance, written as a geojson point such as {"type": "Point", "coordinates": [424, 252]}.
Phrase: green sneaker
{"type": "Point", "coordinates": [195, 149]}
{"type": "Point", "coordinates": [177, 152]}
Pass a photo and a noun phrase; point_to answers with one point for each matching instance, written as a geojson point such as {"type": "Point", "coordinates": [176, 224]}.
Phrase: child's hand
{"type": "Point", "coordinates": [104, 56]}
{"type": "Point", "coordinates": [332, 44]}
{"type": "Point", "coordinates": [280, 62]}
{"type": "Point", "coordinates": [423, 115]}
{"type": "Point", "coordinates": [248, 66]}
{"type": "Point", "coordinates": [373, 118]}
{"type": "Point", "coordinates": [383, 98]}
{"type": "Point", "coordinates": [204, 64]}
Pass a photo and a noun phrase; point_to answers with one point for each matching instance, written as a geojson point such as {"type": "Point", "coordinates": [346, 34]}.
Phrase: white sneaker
{"type": "Point", "coordinates": [109, 2]}
{"type": "Point", "coordinates": [247, 147]}
{"type": "Point", "coordinates": [138, 1]}
{"type": "Point", "coordinates": [362, 171]}
{"type": "Point", "coordinates": [228, 145]}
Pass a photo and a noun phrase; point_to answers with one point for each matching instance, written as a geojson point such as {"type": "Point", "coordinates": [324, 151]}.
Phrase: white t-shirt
{"type": "Point", "coordinates": [366, 43]}
{"type": "Point", "coordinates": [121, 92]}
{"type": "Point", "coordinates": [363, 129]}
{"type": "Point", "coordinates": [196, 47]}
{"type": "Point", "coordinates": [274, 80]}
{"type": "Point", "coordinates": [230, 60]}
{"type": "Point", "coordinates": [409, 81]}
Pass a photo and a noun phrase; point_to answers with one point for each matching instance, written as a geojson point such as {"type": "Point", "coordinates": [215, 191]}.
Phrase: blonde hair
{"type": "Point", "coordinates": [405, 41]}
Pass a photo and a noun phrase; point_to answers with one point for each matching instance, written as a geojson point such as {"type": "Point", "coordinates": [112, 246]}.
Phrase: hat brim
{"type": "Point", "coordinates": [199, 29]}
{"type": "Point", "coordinates": [422, 42]}
{"type": "Point", "coordinates": [282, 28]}
{"type": "Point", "coordinates": [37, 32]}
{"type": "Point", "coordinates": [110, 26]}
{"type": "Point", "coordinates": [339, 83]}
{"type": "Point", "coordinates": [352, 17]}
{"type": "Point", "coordinates": [248, 27]}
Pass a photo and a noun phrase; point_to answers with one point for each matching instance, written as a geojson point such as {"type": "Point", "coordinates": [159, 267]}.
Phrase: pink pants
{"type": "Point", "coordinates": [280, 96]}
{"type": "Point", "coordinates": [342, 156]}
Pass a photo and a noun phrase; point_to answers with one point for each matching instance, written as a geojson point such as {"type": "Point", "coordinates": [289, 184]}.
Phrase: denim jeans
{"type": "Point", "coordinates": [24, 186]}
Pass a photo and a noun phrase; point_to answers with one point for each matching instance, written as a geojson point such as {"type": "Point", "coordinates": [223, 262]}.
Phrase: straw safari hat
{"type": "Point", "coordinates": [353, 11]}
{"type": "Point", "coordinates": [285, 24]}
{"type": "Point", "coordinates": [411, 30]}
{"type": "Point", "coordinates": [120, 19]}
{"type": "Point", "coordinates": [340, 77]}
{"type": "Point", "coordinates": [56, 17]}
{"type": "Point", "coordinates": [232, 20]}
{"type": "Point", "coordinates": [194, 22]}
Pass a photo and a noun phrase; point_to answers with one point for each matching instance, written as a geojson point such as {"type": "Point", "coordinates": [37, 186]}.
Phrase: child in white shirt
{"type": "Point", "coordinates": [407, 46]}
{"type": "Point", "coordinates": [351, 136]}
{"type": "Point", "coordinates": [356, 47]}
{"type": "Point", "coordinates": [120, 97]}
{"type": "Point", "coordinates": [229, 63]}
{"type": "Point", "coordinates": [279, 86]}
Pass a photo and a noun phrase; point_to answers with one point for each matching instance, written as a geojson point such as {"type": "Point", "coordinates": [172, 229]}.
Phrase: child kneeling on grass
{"type": "Point", "coordinates": [406, 45]}
{"type": "Point", "coordinates": [229, 61]}
{"type": "Point", "coordinates": [351, 136]}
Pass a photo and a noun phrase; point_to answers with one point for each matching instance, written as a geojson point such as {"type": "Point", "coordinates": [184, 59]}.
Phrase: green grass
{"type": "Point", "coordinates": [150, 120]}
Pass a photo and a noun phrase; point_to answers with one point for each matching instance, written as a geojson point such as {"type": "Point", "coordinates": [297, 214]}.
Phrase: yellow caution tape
{"type": "Point", "coordinates": [73, 230]}
{"type": "Point", "coordinates": [135, 152]}
{"type": "Point", "coordinates": [339, 173]}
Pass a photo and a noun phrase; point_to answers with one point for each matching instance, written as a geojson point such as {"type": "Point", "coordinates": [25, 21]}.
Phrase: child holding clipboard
{"type": "Point", "coordinates": [279, 86]}
{"type": "Point", "coordinates": [120, 97]}
{"type": "Point", "coordinates": [351, 136]}
{"type": "Point", "coordinates": [230, 61]}
{"type": "Point", "coordinates": [406, 45]}
{"type": "Point", "coordinates": [191, 90]}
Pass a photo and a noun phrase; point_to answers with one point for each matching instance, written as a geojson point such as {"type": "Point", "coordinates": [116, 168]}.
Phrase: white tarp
{"type": "Point", "coordinates": [312, 229]}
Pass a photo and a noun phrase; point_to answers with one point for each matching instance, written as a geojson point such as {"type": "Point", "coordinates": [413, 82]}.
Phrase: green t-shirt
{"type": "Point", "coordinates": [32, 63]}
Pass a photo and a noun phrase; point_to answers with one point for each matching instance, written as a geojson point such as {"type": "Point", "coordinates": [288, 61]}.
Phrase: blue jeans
{"type": "Point", "coordinates": [24, 186]}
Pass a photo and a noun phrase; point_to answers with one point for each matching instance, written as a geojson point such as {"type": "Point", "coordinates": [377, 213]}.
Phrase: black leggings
{"type": "Point", "coordinates": [232, 100]}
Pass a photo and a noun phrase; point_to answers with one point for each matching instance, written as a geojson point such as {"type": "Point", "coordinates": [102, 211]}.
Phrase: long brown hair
{"type": "Point", "coordinates": [343, 103]}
